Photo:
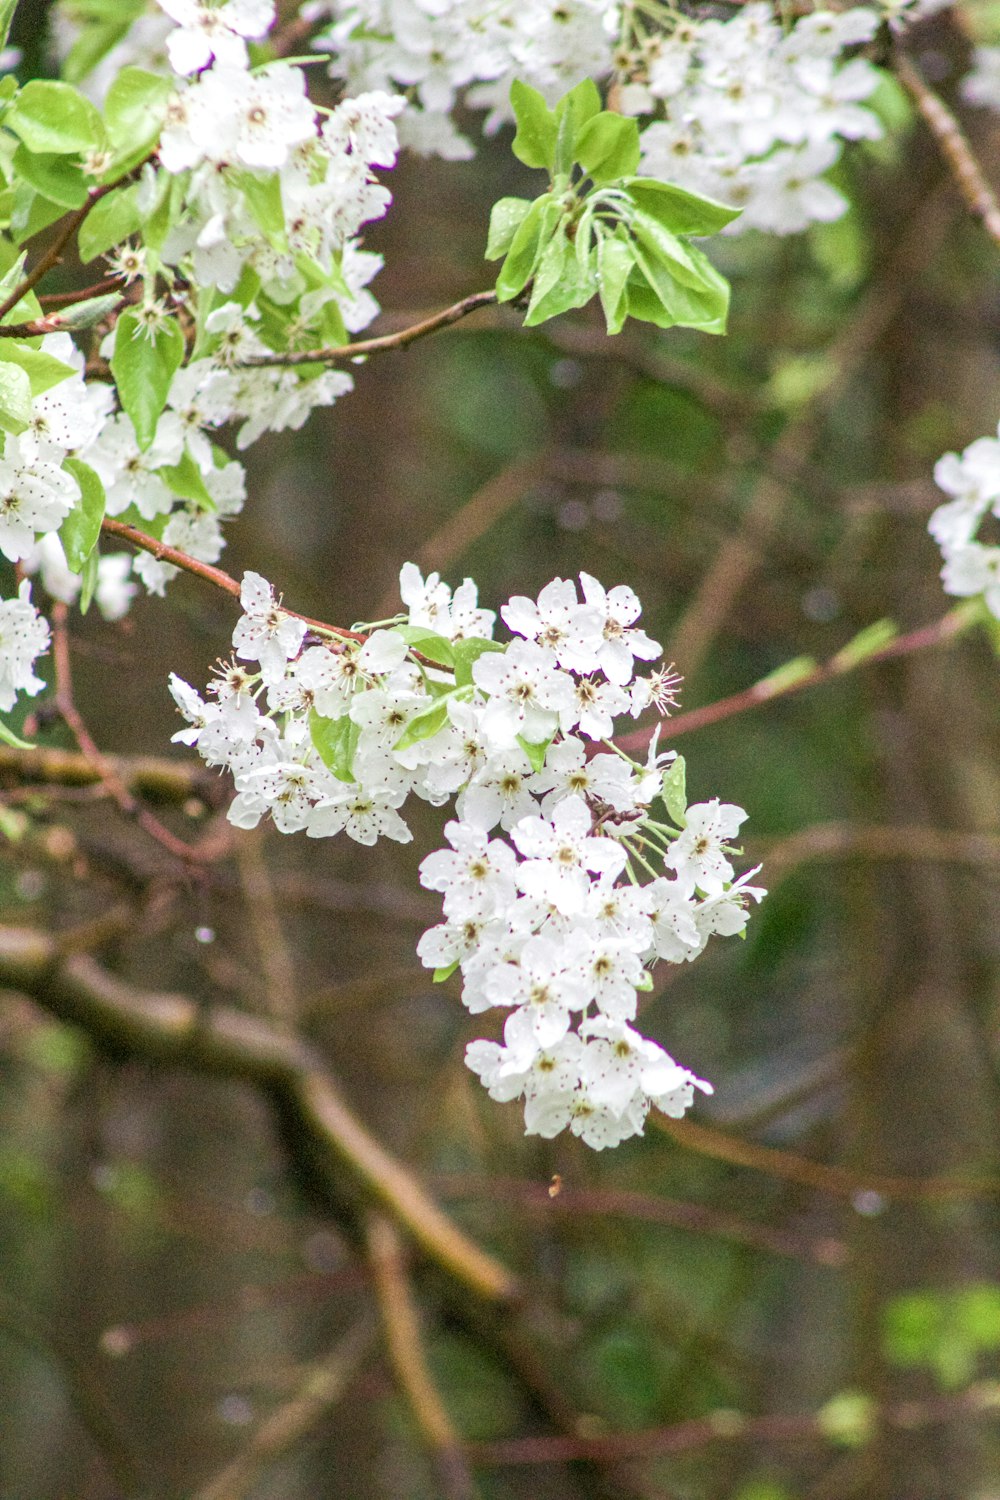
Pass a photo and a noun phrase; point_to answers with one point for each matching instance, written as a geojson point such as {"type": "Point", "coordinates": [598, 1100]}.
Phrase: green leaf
{"type": "Point", "coordinates": [143, 368]}
{"type": "Point", "coordinates": [535, 141]}
{"type": "Point", "coordinates": [15, 398]}
{"type": "Point", "coordinates": [81, 528]}
{"type": "Point", "coordinates": [134, 111]}
{"type": "Point", "coordinates": [10, 738]}
{"type": "Point", "coordinates": [560, 282]}
{"type": "Point", "coordinates": [32, 212]}
{"type": "Point", "coordinates": [786, 676]}
{"type": "Point", "coordinates": [58, 178]}
{"type": "Point", "coordinates": [678, 210]}
{"type": "Point", "coordinates": [614, 264]}
{"type": "Point", "coordinates": [112, 220]}
{"type": "Point", "coordinates": [43, 370]}
{"type": "Point", "coordinates": [184, 480]}
{"type": "Point", "coordinates": [85, 314]}
{"type": "Point", "coordinates": [263, 195]}
{"type": "Point", "coordinates": [54, 117]}
{"type": "Point", "coordinates": [864, 644]}
{"type": "Point", "coordinates": [526, 247]}
{"type": "Point", "coordinates": [536, 753]}
{"type": "Point", "coordinates": [572, 113]}
{"type": "Point", "coordinates": [7, 9]}
{"type": "Point", "coordinates": [435, 647]}
{"type": "Point", "coordinates": [673, 790]}
{"type": "Point", "coordinates": [506, 218]}
{"type": "Point", "coordinates": [105, 23]}
{"type": "Point", "coordinates": [468, 651]}
{"type": "Point", "coordinates": [608, 147]}
{"type": "Point", "coordinates": [685, 263]}
{"type": "Point", "coordinates": [656, 297]}
{"type": "Point", "coordinates": [440, 975]}
{"type": "Point", "coordinates": [335, 741]}
{"type": "Point", "coordinates": [88, 580]}
{"type": "Point", "coordinates": [424, 725]}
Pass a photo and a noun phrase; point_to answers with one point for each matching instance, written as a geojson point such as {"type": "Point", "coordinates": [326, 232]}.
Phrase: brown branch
{"type": "Point", "coordinates": [824, 841]}
{"type": "Point", "coordinates": [954, 146]}
{"type": "Point", "coordinates": [401, 1330]}
{"type": "Point", "coordinates": [948, 628]}
{"type": "Point", "coordinates": [62, 239]}
{"type": "Point", "coordinates": [837, 1181]}
{"type": "Point", "coordinates": [364, 347]}
{"type": "Point", "coordinates": [143, 776]}
{"type": "Point", "coordinates": [103, 769]}
{"type": "Point", "coordinates": [321, 1387]}
{"type": "Point", "coordinates": [216, 576]}
{"type": "Point", "coordinates": [82, 294]}
{"type": "Point", "coordinates": [979, 1400]}
{"type": "Point", "coordinates": [173, 1029]}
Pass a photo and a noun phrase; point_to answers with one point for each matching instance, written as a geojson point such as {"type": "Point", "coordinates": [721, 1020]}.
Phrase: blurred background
{"type": "Point", "coordinates": [793, 1297]}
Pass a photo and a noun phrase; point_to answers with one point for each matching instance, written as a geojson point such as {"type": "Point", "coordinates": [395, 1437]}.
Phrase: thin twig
{"type": "Point", "coordinates": [404, 1344]}
{"type": "Point", "coordinates": [954, 146]}
{"type": "Point", "coordinates": [948, 628]}
{"type": "Point", "coordinates": [70, 227]}
{"type": "Point", "coordinates": [216, 576]}
{"type": "Point", "coordinates": [321, 1387]}
{"type": "Point", "coordinates": [839, 1182]}
{"type": "Point", "coordinates": [406, 336]}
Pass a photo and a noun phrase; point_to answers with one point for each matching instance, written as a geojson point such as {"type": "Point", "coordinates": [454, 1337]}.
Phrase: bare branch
{"type": "Point", "coordinates": [401, 340]}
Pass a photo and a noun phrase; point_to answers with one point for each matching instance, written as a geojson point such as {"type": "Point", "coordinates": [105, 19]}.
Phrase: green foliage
{"type": "Point", "coordinates": [143, 364]}
{"type": "Point", "coordinates": [600, 230]}
{"type": "Point", "coordinates": [335, 740]}
{"type": "Point", "coordinates": [673, 790]}
{"type": "Point", "coordinates": [82, 527]}
{"type": "Point", "coordinates": [946, 1331]}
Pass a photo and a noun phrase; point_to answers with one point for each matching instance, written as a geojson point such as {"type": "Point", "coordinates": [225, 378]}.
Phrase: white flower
{"type": "Point", "coordinates": [214, 31]}
{"type": "Point", "coordinates": [266, 634]}
{"type": "Point", "coordinates": [697, 853]}
{"type": "Point", "coordinates": [559, 851]}
{"type": "Point", "coordinates": [620, 643]}
{"type": "Point", "coordinates": [527, 692]}
{"type": "Point", "coordinates": [477, 879]}
{"type": "Point", "coordinates": [24, 635]}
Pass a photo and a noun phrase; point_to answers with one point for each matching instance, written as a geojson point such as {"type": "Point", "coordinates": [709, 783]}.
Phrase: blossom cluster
{"type": "Point", "coordinates": [552, 918]}
{"type": "Point", "coordinates": [744, 110]}
{"type": "Point", "coordinates": [972, 478]}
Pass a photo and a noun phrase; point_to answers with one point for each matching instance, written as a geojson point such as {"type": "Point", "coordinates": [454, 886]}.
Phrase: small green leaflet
{"type": "Point", "coordinates": [88, 581]}
{"type": "Point", "coordinates": [143, 368]}
{"type": "Point", "coordinates": [134, 111]}
{"type": "Point", "coordinates": [10, 738]}
{"type": "Point", "coordinates": [15, 398]}
{"type": "Point", "coordinates": [536, 753]}
{"type": "Point", "coordinates": [335, 741]}
{"type": "Point", "coordinates": [428, 643]}
{"type": "Point", "coordinates": [608, 147]}
{"type": "Point", "coordinates": [111, 220]}
{"type": "Point", "coordinates": [55, 118]}
{"type": "Point", "coordinates": [506, 218]}
{"type": "Point", "coordinates": [673, 790]}
{"type": "Point", "coordinates": [60, 179]}
{"type": "Point", "coordinates": [424, 725]}
{"type": "Point", "coordinates": [184, 481]}
{"type": "Point", "coordinates": [535, 141]}
{"type": "Point", "coordinates": [7, 9]}
{"type": "Point", "coordinates": [81, 528]}
{"type": "Point", "coordinates": [440, 975]}
{"type": "Point", "coordinates": [467, 652]}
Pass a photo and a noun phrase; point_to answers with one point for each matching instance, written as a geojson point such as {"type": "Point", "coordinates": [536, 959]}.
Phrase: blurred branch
{"type": "Point", "coordinates": [837, 1181]}
{"type": "Point", "coordinates": [172, 1029]}
{"type": "Point", "coordinates": [741, 554]}
{"type": "Point", "coordinates": [851, 840]}
{"type": "Point", "coordinates": [954, 146]}
{"type": "Point", "coordinates": [161, 780]}
{"type": "Point", "coordinates": [401, 1329]}
{"type": "Point", "coordinates": [276, 965]}
{"type": "Point", "coordinates": [694, 1217]}
{"type": "Point", "coordinates": [979, 1400]}
{"type": "Point", "coordinates": [322, 1385]}
{"type": "Point", "coordinates": [783, 683]}
{"type": "Point", "coordinates": [363, 347]}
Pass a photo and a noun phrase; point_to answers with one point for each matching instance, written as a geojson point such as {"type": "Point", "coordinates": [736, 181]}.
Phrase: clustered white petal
{"type": "Point", "coordinates": [547, 908]}
{"type": "Point", "coordinates": [972, 478]}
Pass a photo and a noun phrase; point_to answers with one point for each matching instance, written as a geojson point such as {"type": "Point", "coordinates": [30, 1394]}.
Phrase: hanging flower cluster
{"type": "Point", "coordinates": [557, 918]}
{"type": "Point", "coordinates": [970, 567]}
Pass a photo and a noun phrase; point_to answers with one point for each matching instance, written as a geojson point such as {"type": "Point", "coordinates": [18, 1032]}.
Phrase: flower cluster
{"type": "Point", "coordinates": [557, 922]}
{"type": "Point", "coordinates": [973, 479]}
{"type": "Point", "coordinates": [754, 113]}
{"type": "Point", "coordinates": [24, 635]}
{"type": "Point", "coordinates": [744, 110]}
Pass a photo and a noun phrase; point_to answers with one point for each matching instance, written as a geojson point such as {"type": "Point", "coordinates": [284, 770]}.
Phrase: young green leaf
{"type": "Point", "coordinates": [572, 113]}
{"type": "Point", "coordinates": [10, 738]}
{"type": "Point", "coordinates": [58, 178]}
{"type": "Point", "coordinates": [335, 740]}
{"type": "Point", "coordinates": [560, 283]}
{"type": "Point", "coordinates": [43, 370]}
{"type": "Point", "coordinates": [15, 398]}
{"type": "Point", "coordinates": [7, 9]}
{"type": "Point", "coordinates": [423, 726]}
{"type": "Point", "coordinates": [527, 246]}
{"type": "Point", "coordinates": [536, 753]}
{"type": "Point", "coordinates": [53, 117]}
{"type": "Point", "coordinates": [435, 647]}
{"type": "Point", "coordinates": [81, 528]}
{"type": "Point", "coordinates": [143, 368]}
{"type": "Point", "coordinates": [134, 111]}
{"type": "Point", "coordinates": [112, 219]}
{"type": "Point", "coordinates": [468, 651]}
{"type": "Point", "coordinates": [607, 147]}
{"type": "Point", "coordinates": [614, 263]}
{"type": "Point", "coordinates": [678, 210]}
{"type": "Point", "coordinates": [673, 790]}
{"type": "Point", "coordinates": [88, 581]}
{"type": "Point", "coordinates": [440, 975]}
{"type": "Point", "coordinates": [535, 141]}
{"type": "Point", "coordinates": [184, 480]}
{"type": "Point", "coordinates": [656, 297]}
{"type": "Point", "coordinates": [506, 218]}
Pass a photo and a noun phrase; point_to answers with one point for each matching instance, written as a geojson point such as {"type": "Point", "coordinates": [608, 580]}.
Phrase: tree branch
{"type": "Point", "coordinates": [954, 146]}
{"type": "Point", "coordinates": [364, 347]}
{"type": "Point", "coordinates": [176, 1030]}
